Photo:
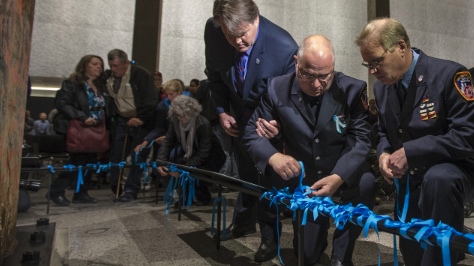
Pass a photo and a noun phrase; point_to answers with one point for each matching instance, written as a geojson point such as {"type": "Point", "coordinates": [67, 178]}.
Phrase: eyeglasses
{"type": "Point", "coordinates": [375, 63]}
{"type": "Point", "coordinates": [310, 78]}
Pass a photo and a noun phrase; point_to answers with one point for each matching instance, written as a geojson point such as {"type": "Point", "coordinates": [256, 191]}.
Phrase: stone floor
{"type": "Point", "coordinates": [138, 233]}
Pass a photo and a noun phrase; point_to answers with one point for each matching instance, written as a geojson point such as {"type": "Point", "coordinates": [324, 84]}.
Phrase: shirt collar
{"type": "Point", "coordinates": [407, 77]}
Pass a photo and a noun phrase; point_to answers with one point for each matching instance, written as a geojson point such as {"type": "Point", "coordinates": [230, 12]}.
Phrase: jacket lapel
{"type": "Point", "coordinates": [329, 105]}
{"type": "Point", "coordinates": [416, 89]}
{"type": "Point", "coordinates": [256, 59]}
{"type": "Point", "coordinates": [296, 97]}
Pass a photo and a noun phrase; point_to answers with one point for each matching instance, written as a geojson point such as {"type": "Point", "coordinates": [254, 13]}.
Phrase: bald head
{"type": "Point", "coordinates": [316, 45]}
{"type": "Point", "coordinates": [315, 65]}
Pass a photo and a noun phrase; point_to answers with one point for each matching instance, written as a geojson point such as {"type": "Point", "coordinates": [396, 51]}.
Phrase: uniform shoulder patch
{"type": "Point", "coordinates": [364, 98]}
{"type": "Point", "coordinates": [463, 82]}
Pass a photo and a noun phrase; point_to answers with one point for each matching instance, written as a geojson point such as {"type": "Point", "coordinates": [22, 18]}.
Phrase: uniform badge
{"type": "Point", "coordinates": [431, 109]}
{"type": "Point", "coordinates": [424, 116]}
{"type": "Point", "coordinates": [420, 78]}
{"type": "Point", "coordinates": [432, 114]}
{"type": "Point", "coordinates": [422, 111]}
{"type": "Point", "coordinates": [422, 106]}
{"type": "Point", "coordinates": [463, 82]}
{"type": "Point", "coordinates": [364, 98]}
{"type": "Point", "coordinates": [426, 98]}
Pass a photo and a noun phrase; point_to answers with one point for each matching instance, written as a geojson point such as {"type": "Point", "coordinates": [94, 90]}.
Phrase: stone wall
{"type": "Point", "coordinates": [66, 30]}
{"type": "Point", "coordinates": [440, 28]}
{"type": "Point", "coordinates": [182, 31]}
{"type": "Point", "coordinates": [16, 18]}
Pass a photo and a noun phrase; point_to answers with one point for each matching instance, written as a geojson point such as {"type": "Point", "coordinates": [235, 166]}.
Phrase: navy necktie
{"type": "Point", "coordinates": [239, 73]}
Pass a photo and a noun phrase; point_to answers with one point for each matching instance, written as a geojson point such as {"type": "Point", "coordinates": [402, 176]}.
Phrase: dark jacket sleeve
{"type": "Point", "coordinates": [167, 144]}
{"type": "Point", "coordinates": [143, 85]}
{"type": "Point", "coordinates": [220, 93]}
{"type": "Point", "coordinates": [66, 101]}
{"type": "Point", "coordinates": [259, 148]}
{"type": "Point", "coordinates": [357, 145]}
{"type": "Point", "coordinates": [204, 142]}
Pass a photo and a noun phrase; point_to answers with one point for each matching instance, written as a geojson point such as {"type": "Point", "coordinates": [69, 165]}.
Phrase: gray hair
{"type": "Point", "coordinates": [184, 106]}
{"type": "Point", "coordinates": [233, 13]}
{"type": "Point", "coordinates": [117, 53]}
{"type": "Point", "coordinates": [386, 31]}
{"type": "Point", "coordinates": [321, 40]}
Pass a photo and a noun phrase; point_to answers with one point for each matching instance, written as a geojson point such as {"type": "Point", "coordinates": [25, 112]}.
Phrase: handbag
{"type": "Point", "coordinates": [81, 138]}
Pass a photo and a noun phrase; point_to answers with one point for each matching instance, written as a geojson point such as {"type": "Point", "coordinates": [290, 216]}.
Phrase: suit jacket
{"type": "Point", "coordinates": [272, 55]}
{"type": "Point", "coordinates": [447, 135]}
{"type": "Point", "coordinates": [320, 147]}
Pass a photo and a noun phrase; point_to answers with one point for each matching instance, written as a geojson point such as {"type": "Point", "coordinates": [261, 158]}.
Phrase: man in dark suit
{"type": "Point", "coordinates": [426, 129]}
{"type": "Point", "coordinates": [243, 50]}
{"type": "Point", "coordinates": [323, 123]}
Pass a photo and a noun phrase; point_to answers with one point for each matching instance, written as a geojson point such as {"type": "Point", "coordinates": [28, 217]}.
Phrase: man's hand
{"type": "Point", "coordinates": [385, 169]}
{"type": "Point", "coordinates": [163, 171]}
{"type": "Point", "coordinates": [140, 146]}
{"type": "Point", "coordinates": [135, 122]}
{"type": "Point", "coordinates": [267, 129]}
{"type": "Point", "coordinates": [398, 162]}
{"type": "Point", "coordinates": [327, 186]}
{"type": "Point", "coordinates": [160, 139]}
{"type": "Point", "coordinates": [90, 121]}
{"type": "Point", "coordinates": [229, 124]}
{"type": "Point", "coordinates": [286, 166]}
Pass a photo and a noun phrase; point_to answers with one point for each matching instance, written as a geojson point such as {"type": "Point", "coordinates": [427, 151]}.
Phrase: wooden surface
{"type": "Point", "coordinates": [16, 18]}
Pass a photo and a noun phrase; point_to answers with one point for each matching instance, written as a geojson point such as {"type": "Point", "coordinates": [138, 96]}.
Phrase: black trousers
{"type": "Point", "coordinates": [65, 179]}
{"type": "Point", "coordinates": [438, 194]}
{"type": "Point", "coordinates": [245, 208]}
{"type": "Point", "coordinates": [135, 136]}
{"type": "Point", "coordinates": [316, 232]}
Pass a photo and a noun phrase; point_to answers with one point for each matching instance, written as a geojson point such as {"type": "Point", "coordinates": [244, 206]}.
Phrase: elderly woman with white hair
{"type": "Point", "coordinates": [193, 133]}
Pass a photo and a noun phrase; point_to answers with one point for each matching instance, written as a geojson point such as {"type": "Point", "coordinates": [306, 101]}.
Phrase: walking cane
{"type": "Point", "coordinates": [121, 169]}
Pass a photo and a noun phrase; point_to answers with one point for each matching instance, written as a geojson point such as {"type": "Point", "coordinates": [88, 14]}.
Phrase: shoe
{"type": "Point", "coordinates": [83, 199]}
{"type": "Point", "coordinates": [127, 197]}
{"type": "Point", "coordinates": [232, 232]}
{"type": "Point", "coordinates": [59, 200]}
{"type": "Point", "coordinates": [336, 262]}
{"type": "Point", "coordinates": [268, 250]}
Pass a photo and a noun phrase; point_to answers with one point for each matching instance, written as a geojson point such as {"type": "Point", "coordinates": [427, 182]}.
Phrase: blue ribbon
{"type": "Point", "coordinates": [219, 199]}
{"type": "Point", "coordinates": [144, 166]}
{"type": "Point", "coordinates": [339, 124]}
{"type": "Point", "coordinates": [51, 168]}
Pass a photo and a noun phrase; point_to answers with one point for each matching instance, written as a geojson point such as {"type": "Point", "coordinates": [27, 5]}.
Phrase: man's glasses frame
{"type": "Point", "coordinates": [311, 78]}
{"type": "Point", "coordinates": [375, 63]}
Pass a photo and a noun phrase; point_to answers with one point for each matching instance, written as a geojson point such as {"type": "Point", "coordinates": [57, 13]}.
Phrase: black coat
{"type": "Point", "coordinates": [319, 146]}
{"type": "Point", "coordinates": [72, 102]}
{"type": "Point", "coordinates": [435, 124]}
{"type": "Point", "coordinates": [271, 56]}
{"type": "Point", "coordinates": [201, 147]}
{"type": "Point", "coordinates": [161, 122]}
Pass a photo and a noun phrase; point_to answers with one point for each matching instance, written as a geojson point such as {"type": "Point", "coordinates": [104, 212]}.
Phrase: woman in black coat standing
{"type": "Point", "coordinates": [82, 97]}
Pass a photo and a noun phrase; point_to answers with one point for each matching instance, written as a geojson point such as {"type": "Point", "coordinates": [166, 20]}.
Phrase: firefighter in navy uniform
{"type": "Point", "coordinates": [426, 128]}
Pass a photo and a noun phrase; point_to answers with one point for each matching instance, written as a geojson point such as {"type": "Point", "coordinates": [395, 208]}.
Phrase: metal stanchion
{"type": "Point", "coordinates": [299, 214]}
{"type": "Point", "coordinates": [49, 192]}
{"type": "Point", "coordinates": [219, 205]}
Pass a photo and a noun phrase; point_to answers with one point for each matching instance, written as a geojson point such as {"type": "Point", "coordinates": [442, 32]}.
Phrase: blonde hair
{"type": "Point", "coordinates": [175, 85]}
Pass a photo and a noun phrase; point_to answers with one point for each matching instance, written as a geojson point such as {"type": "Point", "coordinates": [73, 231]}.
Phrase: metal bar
{"type": "Point", "coordinates": [218, 234]}
{"type": "Point", "coordinates": [180, 198]}
{"type": "Point", "coordinates": [49, 192]}
{"type": "Point", "coordinates": [299, 215]}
